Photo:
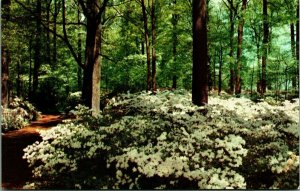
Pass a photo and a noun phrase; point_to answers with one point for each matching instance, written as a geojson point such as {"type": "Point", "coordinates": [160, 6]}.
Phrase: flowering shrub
{"type": "Point", "coordinates": [18, 115]}
{"type": "Point", "coordinates": [31, 112]}
{"type": "Point", "coordinates": [164, 141]}
{"type": "Point", "coordinates": [13, 119]}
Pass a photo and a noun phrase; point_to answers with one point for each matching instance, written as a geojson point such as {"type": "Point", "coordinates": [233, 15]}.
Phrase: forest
{"type": "Point", "coordinates": [150, 94]}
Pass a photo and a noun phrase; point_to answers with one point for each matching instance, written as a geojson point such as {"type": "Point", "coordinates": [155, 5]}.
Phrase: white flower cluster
{"type": "Point", "coordinates": [62, 148]}
{"type": "Point", "coordinates": [165, 137]}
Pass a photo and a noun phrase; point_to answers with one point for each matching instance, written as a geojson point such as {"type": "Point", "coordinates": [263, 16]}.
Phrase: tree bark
{"type": "Point", "coordinates": [79, 50]}
{"type": "Point", "coordinates": [5, 60]}
{"type": "Point", "coordinates": [37, 49]}
{"type": "Point", "coordinates": [220, 71]}
{"type": "Point", "coordinates": [265, 46]}
{"type": "Point", "coordinates": [175, 18]}
{"type": "Point", "coordinates": [297, 45]}
{"type": "Point", "coordinates": [54, 34]}
{"type": "Point", "coordinates": [30, 69]}
{"type": "Point", "coordinates": [48, 51]}
{"type": "Point", "coordinates": [146, 33]}
{"type": "Point", "coordinates": [92, 68]}
{"type": "Point", "coordinates": [153, 18]}
{"type": "Point", "coordinates": [231, 36]}
{"type": "Point", "coordinates": [200, 57]}
{"type": "Point", "coordinates": [239, 50]}
{"type": "Point", "coordinates": [293, 49]}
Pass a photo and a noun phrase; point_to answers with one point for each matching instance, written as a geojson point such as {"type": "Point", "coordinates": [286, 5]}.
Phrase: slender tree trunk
{"type": "Point", "coordinates": [297, 45]}
{"type": "Point", "coordinates": [293, 49]}
{"type": "Point", "coordinates": [54, 34]}
{"type": "Point", "coordinates": [48, 51]}
{"type": "Point", "coordinates": [265, 45]}
{"type": "Point", "coordinates": [37, 50]}
{"type": "Point", "coordinates": [214, 72]}
{"type": "Point", "coordinates": [231, 36]}
{"type": "Point", "coordinates": [200, 57]}
{"type": "Point", "coordinates": [175, 18]}
{"type": "Point", "coordinates": [5, 60]}
{"type": "Point", "coordinates": [18, 79]}
{"type": "Point", "coordinates": [79, 50]}
{"type": "Point", "coordinates": [146, 33]}
{"type": "Point", "coordinates": [153, 18]}
{"type": "Point", "coordinates": [239, 50]}
{"type": "Point", "coordinates": [220, 71]}
{"type": "Point", "coordinates": [258, 84]}
{"type": "Point", "coordinates": [30, 69]}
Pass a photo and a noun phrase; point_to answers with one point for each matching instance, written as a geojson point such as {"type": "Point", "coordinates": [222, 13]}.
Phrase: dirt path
{"type": "Point", "coordinates": [15, 170]}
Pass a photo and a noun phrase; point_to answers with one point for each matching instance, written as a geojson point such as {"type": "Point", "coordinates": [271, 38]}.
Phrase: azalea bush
{"type": "Point", "coordinates": [17, 115]}
{"type": "Point", "coordinates": [164, 141]}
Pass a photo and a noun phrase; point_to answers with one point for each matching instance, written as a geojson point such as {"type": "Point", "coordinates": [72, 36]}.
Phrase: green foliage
{"type": "Point", "coordinates": [164, 141]}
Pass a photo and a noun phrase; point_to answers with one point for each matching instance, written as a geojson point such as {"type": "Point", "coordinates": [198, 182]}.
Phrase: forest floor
{"type": "Point", "coordinates": [15, 170]}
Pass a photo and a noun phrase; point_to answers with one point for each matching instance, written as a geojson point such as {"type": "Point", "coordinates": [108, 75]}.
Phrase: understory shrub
{"type": "Point", "coordinates": [164, 141]}
{"type": "Point", "coordinates": [17, 115]}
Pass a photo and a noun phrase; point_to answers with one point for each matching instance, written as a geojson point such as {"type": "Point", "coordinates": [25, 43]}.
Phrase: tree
{"type": "Point", "coordinates": [232, 14]}
{"type": "Point", "coordinates": [200, 58]}
{"type": "Point", "coordinates": [93, 12]}
{"type": "Point", "coordinates": [239, 49]}
{"type": "Point", "coordinates": [37, 49]}
{"type": "Point", "coordinates": [265, 46]}
{"type": "Point", "coordinates": [146, 33]}
{"type": "Point", "coordinates": [153, 21]}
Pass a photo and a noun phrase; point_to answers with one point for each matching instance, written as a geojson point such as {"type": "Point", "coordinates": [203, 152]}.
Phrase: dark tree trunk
{"type": "Point", "coordinates": [48, 51]}
{"type": "Point", "coordinates": [37, 50]}
{"type": "Point", "coordinates": [239, 50]}
{"type": "Point", "coordinates": [297, 45]}
{"type": "Point", "coordinates": [79, 50]}
{"type": "Point", "coordinates": [200, 58]}
{"type": "Point", "coordinates": [18, 79]}
{"type": "Point", "coordinates": [30, 69]}
{"type": "Point", "coordinates": [175, 18]}
{"type": "Point", "coordinates": [258, 83]}
{"type": "Point", "coordinates": [231, 36]}
{"type": "Point", "coordinates": [4, 76]}
{"type": "Point", "coordinates": [92, 75]}
{"type": "Point", "coordinates": [220, 71]}
{"type": "Point", "coordinates": [153, 18]}
{"type": "Point", "coordinates": [146, 33]}
{"type": "Point", "coordinates": [54, 34]}
{"type": "Point", "coordinates": [265, 46]}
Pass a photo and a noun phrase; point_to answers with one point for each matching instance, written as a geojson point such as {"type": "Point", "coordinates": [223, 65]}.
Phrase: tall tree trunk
{"type": "Point", "coordinates": [293, 49]}
{"type": "Point", "coordinates": [200, 58]}
{"type": "Point", "coordinates": [48, 51]}
{"type": "Point", "coordinates": [265, 46]}
{"type": "Point", "coordinates": [239, 50]}
{"type": "Point", "coordinates": [175, 18]}
{"type": "Point", "coordinates": [37, 50]}
{"type": "Point", "coordinates": [79, 50]}
{"type": "Point", "coordinates": [30, 69]}
{"type": "Point", "coordinates": [54, 34]}
{"type": "Point", "coordinates": [297, 44]}
{"type": "Point", "coordinates": [92, 70]}
{"type": "Point", "coordinates": [146, 33]}
{"type": "Point", "coordinates": [258, 84]}
{"type": "Point", "coordinates": [153, 18]}
{"type": "Point", "coordinates": [220, 71]}
{"type": "Point", "coordinates": [231, 36]}
{"type": "Point", "coordinates": [5, 60]}
{"type": "Point", "coordinates": [18, 79]}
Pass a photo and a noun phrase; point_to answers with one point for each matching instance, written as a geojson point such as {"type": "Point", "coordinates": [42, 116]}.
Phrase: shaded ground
{"type": "Point", "coordinates": [15, 170]}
